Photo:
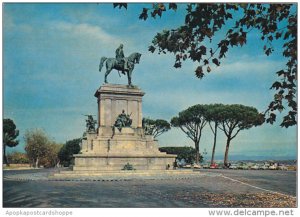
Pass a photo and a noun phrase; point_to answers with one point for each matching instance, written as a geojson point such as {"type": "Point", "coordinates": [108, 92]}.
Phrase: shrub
{"type": "Point", "coordinates": [186, 153]}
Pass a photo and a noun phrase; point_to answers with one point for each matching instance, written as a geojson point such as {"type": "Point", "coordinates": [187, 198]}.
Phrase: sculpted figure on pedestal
{"type": "Point", "coordinates": [90, 124]}
{"type": "Point", "coordinates": [123, 120]}
{"type": "Point", "coordinates": [120, 63]}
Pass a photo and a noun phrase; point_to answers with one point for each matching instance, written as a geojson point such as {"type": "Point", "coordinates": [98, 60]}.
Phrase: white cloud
{"type": "Point", "coordinates": [8, 22]}
{"type": "Point", "coordinates": [87, 31]}
{"type": "Point", "coordinates": [80, 34]}
{"type": "Point", "coordinates": [9, 25]}
{"type": "Point", "coordinates": [257, 66]}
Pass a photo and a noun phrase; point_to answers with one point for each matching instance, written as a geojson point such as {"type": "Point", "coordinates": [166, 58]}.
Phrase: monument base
{"type": "Point", "coordinates": [118, 162]}
{"type": "Point", "coordinates": [118, 149]}
{"type": "Point", "coordinates": [113, 149]}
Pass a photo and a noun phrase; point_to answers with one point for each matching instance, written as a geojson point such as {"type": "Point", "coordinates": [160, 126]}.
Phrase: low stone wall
{"type": "Point", "coordinates": [12, 166]}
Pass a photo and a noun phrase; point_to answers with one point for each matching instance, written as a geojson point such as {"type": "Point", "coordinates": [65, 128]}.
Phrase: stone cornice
{"type": "Point", "coordinates": [117, 89]}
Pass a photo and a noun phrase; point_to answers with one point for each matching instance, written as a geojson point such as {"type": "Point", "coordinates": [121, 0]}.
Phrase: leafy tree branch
{"type": "Point", "coordinates": [195, 41]}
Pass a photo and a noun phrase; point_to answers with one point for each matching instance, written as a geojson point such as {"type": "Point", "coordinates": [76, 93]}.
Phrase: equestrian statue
{"type": "Point", "coordinates": [120, 63]}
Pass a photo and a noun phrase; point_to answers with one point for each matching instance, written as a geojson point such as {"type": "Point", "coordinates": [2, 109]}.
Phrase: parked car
{"type": "Point", "coordinates": [282, 167]}
{"type": "Point", "coordinates": [205, 166]}
{"type": "Point", "coordinates": [254, 167]}
{"type": "Point", "coordinates": [243, 166]}
{"type": "Point", "coordinates": [291, 167]}
{"type": "Point", "coordinates": [214, 166]}
{"type": "Point", "coordinates": [187, 166]}
{"type": "Point", "coordinates": [233, 166]}
{"type": "Point", "coordinates": [273, 167]}
{"type": "Point", "coordinates": [264, 167]}
{"type": "Point", "coordinates": [196, 166]}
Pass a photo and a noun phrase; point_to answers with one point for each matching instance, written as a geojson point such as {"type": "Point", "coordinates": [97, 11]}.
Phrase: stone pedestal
{"type": "Point", "coordinates": [106, 150]}
{"type": "Point", "coordinates": [112, 99]}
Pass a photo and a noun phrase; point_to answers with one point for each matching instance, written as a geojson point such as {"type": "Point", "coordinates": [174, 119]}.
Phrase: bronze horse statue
{"type": "Point", "coordinates": [112, 63]}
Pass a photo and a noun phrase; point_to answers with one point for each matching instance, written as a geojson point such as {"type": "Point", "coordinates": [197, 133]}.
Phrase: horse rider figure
{"type": "Point", "coordinates": [120, 57]}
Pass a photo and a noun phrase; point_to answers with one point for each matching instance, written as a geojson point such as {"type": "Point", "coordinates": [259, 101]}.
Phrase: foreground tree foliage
{"type": "Point", "coordinates": [51, 158]}
{"type": "Point", "coordinates": [233, 119]}
{"type": "Point", "coordinates": [40, 149]}
{"type": "Point", "coordinates": [185, 153]}
{"type": "Point", "coordinates": [66, 152]}
{"type": "Point", "coordinates": [156, 127]}
{"type": "Point", "coordinates": [10, 133]}
{"type": "Point", "coordinates": [192, 121]}
{"type": "Point", "coordinates": [195, 40]}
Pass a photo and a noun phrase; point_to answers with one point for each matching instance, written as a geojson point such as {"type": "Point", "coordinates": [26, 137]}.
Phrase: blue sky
{"type": "Point", "coordinates": [51, 55]}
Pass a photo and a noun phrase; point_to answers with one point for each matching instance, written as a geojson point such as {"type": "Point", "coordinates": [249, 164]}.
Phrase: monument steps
{"type": "Point", "coordinates": [124, 174]}
{"type": "Point", "coordinates": [128, 172]}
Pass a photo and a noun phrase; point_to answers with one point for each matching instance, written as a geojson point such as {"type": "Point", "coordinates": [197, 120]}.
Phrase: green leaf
{"type": "Point", "coordinates": [144, 14]}
{"type": "Point", "coordinates": [202, 50]}
{"type": "Point", "coordinates": [199, 72]}
{"type": "Point", "coordinates": [216, 62]}
{"type": "Point", "coordinates": [177, 65]}
{"type": "Point", "coordinates": [120, 5]}
{"type": "Point", "coordinates": [151, 48]}
{"type": "Point", "coordinates": [276, 85]}
{"type": "Point", "coordinates": [208, 69]}
{"type": "Point", "coordinates": [173, 6]}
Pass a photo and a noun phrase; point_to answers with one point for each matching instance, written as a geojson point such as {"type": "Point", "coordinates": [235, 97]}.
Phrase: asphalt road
{"type": "Point", "coordinates": [188, 192]}
{"type": "Point", "coordinates": [274, 180]}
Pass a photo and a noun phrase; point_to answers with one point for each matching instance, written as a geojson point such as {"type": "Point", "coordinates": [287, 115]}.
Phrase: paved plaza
{"type": "Point", "coordinates": [210, 188]}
